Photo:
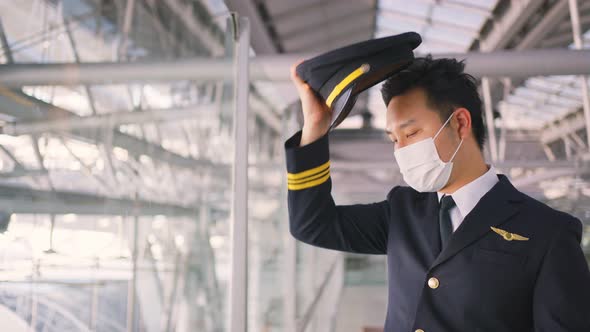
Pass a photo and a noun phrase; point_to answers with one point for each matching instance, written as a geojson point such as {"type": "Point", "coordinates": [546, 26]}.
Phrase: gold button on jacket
{"type": "Point", "coordinates": [433, 283]}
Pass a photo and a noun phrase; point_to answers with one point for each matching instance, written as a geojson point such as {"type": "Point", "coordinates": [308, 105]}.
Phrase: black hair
{"type": "Point", "coordinates": [446, 87]}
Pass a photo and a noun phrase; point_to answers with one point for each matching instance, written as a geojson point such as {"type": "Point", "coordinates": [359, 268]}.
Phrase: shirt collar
{"type": "Point", "coordinates": [469, 195]}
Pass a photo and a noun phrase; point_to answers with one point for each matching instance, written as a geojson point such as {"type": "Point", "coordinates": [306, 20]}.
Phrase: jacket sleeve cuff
{"type": "Point", "coordinates": [309, 165]}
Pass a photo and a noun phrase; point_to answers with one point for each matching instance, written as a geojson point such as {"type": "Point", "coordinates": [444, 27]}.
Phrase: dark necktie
{"type": "Point", "coordinates": [444, 220]}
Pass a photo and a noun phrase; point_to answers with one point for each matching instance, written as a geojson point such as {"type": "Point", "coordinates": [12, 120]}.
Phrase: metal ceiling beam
{"type": "Point", "coordinates": [556, 40]}
{"type": "Point", "coordinates": [360, 16]}
{"type": "Point", "coordinates": [524, 109]}
{"type": "Point", "coordinates": [548, 175]}
{"type": "Point", "coordinates": [469, 7]}
{"type": "Point", "coordinates": [299, 10]}
{"type": "Point", "coordinates": [335, 40]}
{"type": "Point", "coordinates": [22, 106]}
{"type": "Point", "coordinates": [24, 200]}
{"type": "Point", "coordinates": [553, 17]}
{"type": "Point", "coordinates": [566, 26]}
{"type": "Point", "coordinates": [556, 16]}
{"type": "Point", "coordinates": [407, 17]}
{"type": "Point", "coordinates": [108, 120]}
{"type": "Point", "coordinates": [199, 68]}
{"type": "Point", "coordinates": [565, 126]}
{"type": "Point", "coordinates": [562, 93]}
{"type": "Point", "coordinates": [22, 172]}
{"type": "Point", "coordinates": [184, 10]}
{"type": "Point", "coordinates": [428, 40]}
{"type": "Point", "coordinates": [276, 68]}
{"type": "Point", "coordinates": [504, 28]}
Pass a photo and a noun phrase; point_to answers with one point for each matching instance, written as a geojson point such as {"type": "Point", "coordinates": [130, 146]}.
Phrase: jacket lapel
{"type": "Point", "coordinates": [494, 208]}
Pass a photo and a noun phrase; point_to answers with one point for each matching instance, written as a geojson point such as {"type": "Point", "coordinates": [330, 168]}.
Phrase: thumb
{"type": "Point", "coordinates": [301, 86]}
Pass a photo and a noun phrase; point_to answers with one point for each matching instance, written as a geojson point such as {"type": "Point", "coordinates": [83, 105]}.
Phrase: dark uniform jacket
{"type": "Point", "coordinates": [531, 275]}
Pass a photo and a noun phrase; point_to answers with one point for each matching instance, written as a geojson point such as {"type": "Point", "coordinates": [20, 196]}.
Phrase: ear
{"type": "Point", "coordinates": [462, 122]}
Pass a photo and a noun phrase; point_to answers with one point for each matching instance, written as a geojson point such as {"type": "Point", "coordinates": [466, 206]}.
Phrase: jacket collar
{"type": "Point", "coordinates": [495, 207]}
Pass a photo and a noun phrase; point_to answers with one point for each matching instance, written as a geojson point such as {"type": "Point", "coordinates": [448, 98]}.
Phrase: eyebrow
{"type": "Point", "coordinates": [402, 125]}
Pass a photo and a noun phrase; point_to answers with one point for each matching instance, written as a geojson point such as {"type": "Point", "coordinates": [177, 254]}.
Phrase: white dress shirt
{"type": "Point", "coordinates": [467, 196]}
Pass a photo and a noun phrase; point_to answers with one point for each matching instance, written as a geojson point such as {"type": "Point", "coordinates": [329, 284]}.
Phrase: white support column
{"type": "Point", "coordinates": [127, 21]}
{"type": "Point", "coordinates": [548, 152]}
{"type": "Point", "coordinates": [487, 97]}
{"type": "Point", "coordinates": [579, 44]}
{"type": "Point", "coordinates": [289, 261]}
{"type": "Point", "coordinates": [94, 310]}
{"type": "Point", "coordinates": [578, 140]}
{"type": "Point", "coordinates": [507, 85]}
{"type": "Point", "coordinates": [568, 147]}
{"type": "Point", "coordinates": [132, 286]}
{"type": "Point", "coordinates": [239, 213]}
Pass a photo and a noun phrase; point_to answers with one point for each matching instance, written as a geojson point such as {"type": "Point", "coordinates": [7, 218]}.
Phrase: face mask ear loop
{"type": "Point", "coordinates": [444, 124]}
{"type": "Point", "coordinates": [457, 150]}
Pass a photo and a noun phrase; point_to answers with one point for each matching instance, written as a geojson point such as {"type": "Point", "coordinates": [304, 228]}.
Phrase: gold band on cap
{"type": "Point", "coordinates": [345, 82]}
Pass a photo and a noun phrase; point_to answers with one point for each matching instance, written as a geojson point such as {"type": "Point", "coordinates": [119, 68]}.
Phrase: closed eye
{"type": "Point", "coordinates": [412, 134]}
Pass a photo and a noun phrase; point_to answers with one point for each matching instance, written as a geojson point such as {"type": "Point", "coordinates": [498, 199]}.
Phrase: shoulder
{"type": "Point", "coordinates": [545, 218]}
{"type": "Point", "coordinates": [401, 194]}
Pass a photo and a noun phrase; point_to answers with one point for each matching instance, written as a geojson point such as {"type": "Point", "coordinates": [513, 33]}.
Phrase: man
{"type": "Point", "coordinates": [466, 250]}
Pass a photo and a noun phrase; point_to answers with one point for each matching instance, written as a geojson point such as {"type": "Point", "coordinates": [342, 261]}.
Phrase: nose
{"type": "Point", "coordinates": [401, 143]}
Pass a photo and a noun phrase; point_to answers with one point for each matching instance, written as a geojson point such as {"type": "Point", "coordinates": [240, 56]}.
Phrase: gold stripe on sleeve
{"type": "Point", "coordinates": [309, 184]}
{"type": "Point", "coordinates": [309, 172]}
{"type": "Point", "coordinates": [310, 178]}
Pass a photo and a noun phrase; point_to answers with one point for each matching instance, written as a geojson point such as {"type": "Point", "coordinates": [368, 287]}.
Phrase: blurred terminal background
{"type": "Point", "coordinates": [142, 176]}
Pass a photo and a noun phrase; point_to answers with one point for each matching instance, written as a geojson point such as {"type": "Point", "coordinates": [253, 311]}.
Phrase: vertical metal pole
{"type": "Point", "coordinates": [131, 290]}
{"type": "Point", "coordinates": [578, 140]}
{"type": "Point", "coordinates": [35, 294]}
{"type": "Point", "coordinates": [5, 46]}
{"type": "Point", "coordinates": [507, 84]}
{"type": "Point", "coordinates": [255, 264]}
{"type": "Point", "coordinates": [487, 97]}
{"type": "Point", "coordinates": [290, 253]}
{"type": "Point", "coordinates": [568, 147]}
{"type": "Point", "coordinates": [579, 44]}
{"type": "Point", "coordinates": [170, 311]}
{"type": "Point", "coordinates": [74, 47]}
{"type": "Point", "coordinates": [127, 21]}
{"type": "Point", "coordinates": [239, 213]}
{"type": "Point", "coordinates": [548, 152]}
{"type": "Point", "coordinates": [51, 229]}
{"type": "Point", "coordinates": [94, 307]}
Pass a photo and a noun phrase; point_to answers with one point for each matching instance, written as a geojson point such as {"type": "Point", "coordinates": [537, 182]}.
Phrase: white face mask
{"type": "Point", "coordinates": [421, 167]}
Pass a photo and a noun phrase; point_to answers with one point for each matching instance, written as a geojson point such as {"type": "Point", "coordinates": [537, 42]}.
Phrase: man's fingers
{"type": "Point", "coordinates": [305, 91]}
{"type": "Point", "coordinates": [299, 83]}
{"type": "Point", "coordinates": [294, 69]}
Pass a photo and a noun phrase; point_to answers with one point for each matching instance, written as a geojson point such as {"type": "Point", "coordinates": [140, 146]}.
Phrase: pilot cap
{"type": "Point", "coordinates": [338, 76]}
